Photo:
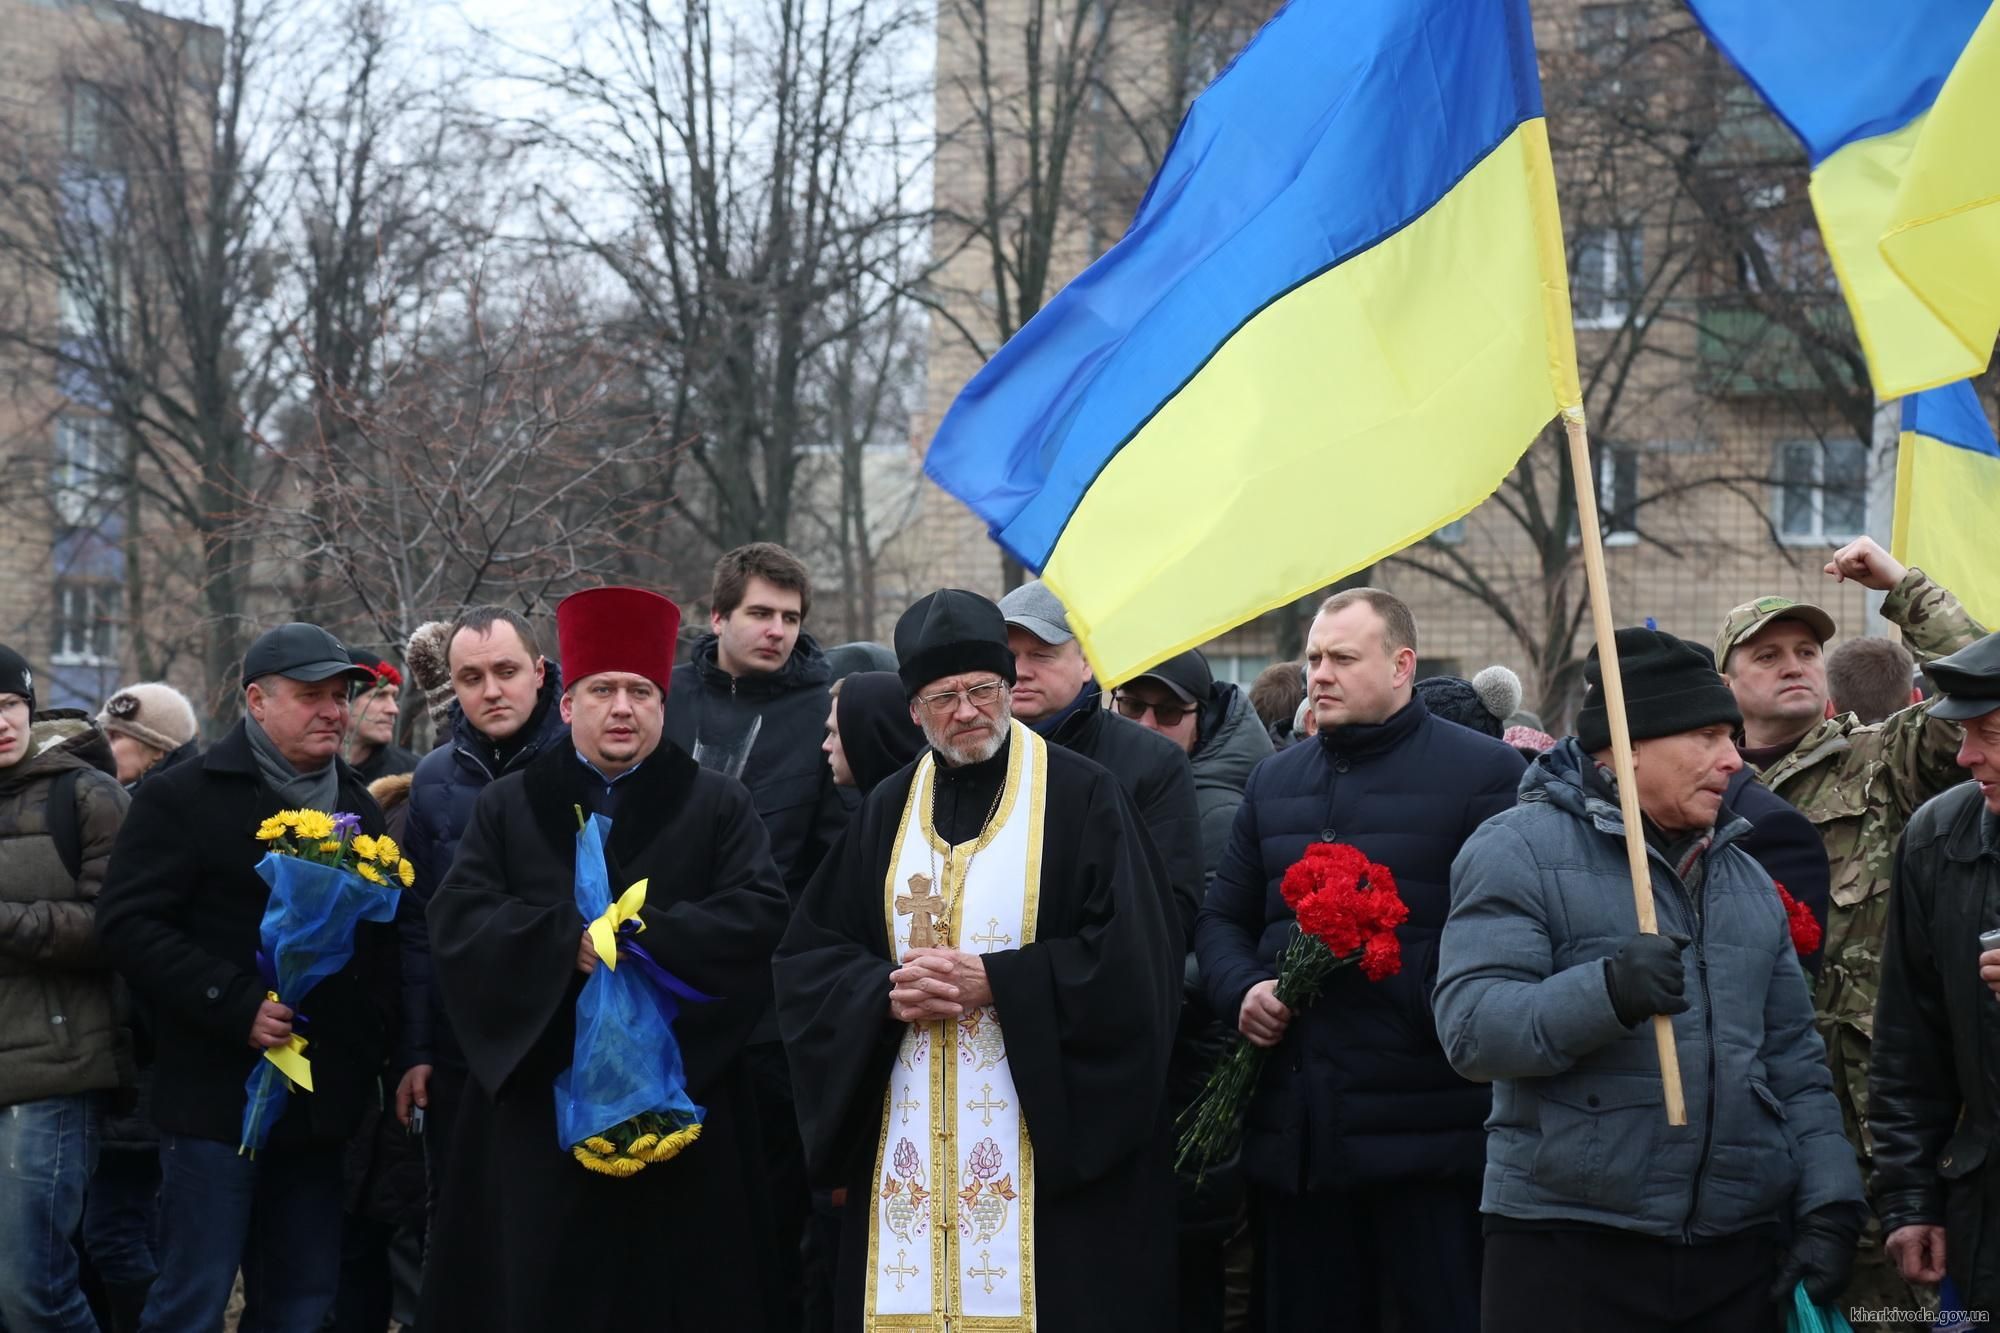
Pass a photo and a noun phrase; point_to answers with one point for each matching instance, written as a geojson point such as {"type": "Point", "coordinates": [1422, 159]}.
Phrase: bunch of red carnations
{"type": "Point", "coordinates": [1348, 910]}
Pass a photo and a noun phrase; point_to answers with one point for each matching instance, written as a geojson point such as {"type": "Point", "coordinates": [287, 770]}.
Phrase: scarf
{"type": "Point", "coordinates": [319, 790]}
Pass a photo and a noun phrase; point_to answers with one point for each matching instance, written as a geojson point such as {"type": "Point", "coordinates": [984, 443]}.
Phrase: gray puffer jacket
{"type": "Point", "coordinates": [1231, 742]}
{"type": "Point", "coordinates": [1540, 896]}
{"type": "Point", "coordinates": [59, 1030]}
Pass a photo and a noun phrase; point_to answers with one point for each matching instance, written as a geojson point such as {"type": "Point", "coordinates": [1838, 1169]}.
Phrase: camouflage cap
{"type": "Point", "coordinates": [1752, 617]}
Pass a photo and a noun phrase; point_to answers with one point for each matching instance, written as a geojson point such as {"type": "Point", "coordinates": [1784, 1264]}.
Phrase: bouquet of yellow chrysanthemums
{"type": "Point", "coordinates": [337, 841]}
{"type": "Point", "coordinates": [326, 877]}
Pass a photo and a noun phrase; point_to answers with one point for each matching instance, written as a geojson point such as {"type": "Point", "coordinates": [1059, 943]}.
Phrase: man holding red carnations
{"type": "Point", "coordinates": [1598, 1213]}
{"type": "Point", "coordinates": [1361, 1144]}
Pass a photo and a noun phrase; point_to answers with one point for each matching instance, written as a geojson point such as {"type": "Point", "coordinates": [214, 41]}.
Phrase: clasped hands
{"type": "Point", "coordinates": [934, 984]}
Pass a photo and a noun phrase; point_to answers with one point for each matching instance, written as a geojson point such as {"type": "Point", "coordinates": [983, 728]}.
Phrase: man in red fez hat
{"type": "Point", "coordinates": [526, 1238]}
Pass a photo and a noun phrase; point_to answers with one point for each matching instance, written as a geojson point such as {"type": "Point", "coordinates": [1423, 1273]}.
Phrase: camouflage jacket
{"type": "Point", "coordinates": [1859, 785]}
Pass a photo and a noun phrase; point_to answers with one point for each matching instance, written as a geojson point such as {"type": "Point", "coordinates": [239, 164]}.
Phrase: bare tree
{"type": "Point", "coordinates": [484, 466]}
{"type": "Point", "coordinates": [742, 183]}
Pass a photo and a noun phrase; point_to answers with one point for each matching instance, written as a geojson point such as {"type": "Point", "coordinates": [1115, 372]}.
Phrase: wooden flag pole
{"type": "Point", "coordinates": [1621, 735]}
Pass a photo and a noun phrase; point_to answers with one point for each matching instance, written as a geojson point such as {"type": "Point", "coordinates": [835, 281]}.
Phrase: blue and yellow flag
{"type": "Point", "coordinates": [1899, 164]}
{"type": "Point", "coordinates": [1948, 495]}
{"type": "Point", "coordinates": [1339, 317]}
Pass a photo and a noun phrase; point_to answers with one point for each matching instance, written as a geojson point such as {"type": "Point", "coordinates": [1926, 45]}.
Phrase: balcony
{"type": "Point", "coordinates": [1744, 353]}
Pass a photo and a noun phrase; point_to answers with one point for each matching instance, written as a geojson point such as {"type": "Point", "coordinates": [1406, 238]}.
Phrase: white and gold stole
{"type": "Point", "coordinates": [952, 1246]}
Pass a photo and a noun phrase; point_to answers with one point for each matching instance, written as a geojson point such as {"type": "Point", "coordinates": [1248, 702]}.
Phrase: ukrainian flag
{"type": "Point", "coordinates": [1948, 495]}
{"type": "Point", "coordinates": [1338, 319]}
{"type": "Point", "coordinates": [1862, 83]}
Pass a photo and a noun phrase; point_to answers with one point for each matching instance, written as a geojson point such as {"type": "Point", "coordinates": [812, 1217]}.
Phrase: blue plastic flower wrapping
{"type": "Point", "coordinates": [625, 1061]}
{"type": "Point", "coordinates": [307, 935]}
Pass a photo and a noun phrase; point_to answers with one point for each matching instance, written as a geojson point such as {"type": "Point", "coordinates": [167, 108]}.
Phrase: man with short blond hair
{"type": "Point", "coordinates": [977, 995]}
{"type": "Point", "coordinates": [1360, 1132]}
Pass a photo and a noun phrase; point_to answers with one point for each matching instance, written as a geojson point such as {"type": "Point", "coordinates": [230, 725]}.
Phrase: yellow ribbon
{"type": "Point", "coordinates": [290, 1058]}
{"type": "Point", "coordinates": [604, 930]}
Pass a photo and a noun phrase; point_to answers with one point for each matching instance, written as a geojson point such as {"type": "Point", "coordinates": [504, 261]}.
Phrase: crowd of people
{"type": "Point", "coordinates": [965, 933]}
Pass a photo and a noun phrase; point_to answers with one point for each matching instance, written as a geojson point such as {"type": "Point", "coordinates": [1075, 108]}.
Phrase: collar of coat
{"type": "Point", "coordinates": [1359, 739]}
{"type": "Point", "coordinates": [655, 793]}
{"type": "Point", "coordinates": [1975, 834]}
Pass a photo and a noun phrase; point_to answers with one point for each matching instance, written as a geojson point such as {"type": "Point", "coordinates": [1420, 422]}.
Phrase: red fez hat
{"type": "Point", "coordinates": [617, 629]}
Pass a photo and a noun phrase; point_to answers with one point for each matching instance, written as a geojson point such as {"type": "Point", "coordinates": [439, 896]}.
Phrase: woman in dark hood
{"type": "Point", "coordinates": [869, 734]}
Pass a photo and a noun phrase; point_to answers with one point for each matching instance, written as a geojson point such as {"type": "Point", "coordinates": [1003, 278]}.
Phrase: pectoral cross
{"type": "Point", "coordinates": [926, 912]}
{"type": "Point", "coordinates": [987, 1104]}
{"type": "Point", "coordinates": [986, 1270]}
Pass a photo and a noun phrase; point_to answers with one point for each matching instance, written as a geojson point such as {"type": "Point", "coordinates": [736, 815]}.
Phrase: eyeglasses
{"type": "Point", "coordinates": [946, 703]}
{"type": "Point", "coordinates": [1167, 715]}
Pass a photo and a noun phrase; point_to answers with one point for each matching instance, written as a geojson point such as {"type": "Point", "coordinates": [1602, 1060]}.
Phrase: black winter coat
{"type": "Point", "coordinates": [1933, 1108]}
{"type": "Point", "coordinates": [179, 917]}
{"type": "Point", "coordinates": [787, 775]}
{"type": "Point", "coordinates": [1359, 1090]}
{"type": "Point", "coordinates": [1153, 773]}
{"type": "Point", "coordinates": [443, 790]}
{"type": "Point", "coordinates": [1786, 844]}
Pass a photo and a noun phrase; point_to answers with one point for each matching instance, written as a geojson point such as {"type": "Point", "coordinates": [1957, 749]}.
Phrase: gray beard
{"type": "Point", "coordinates": [958, 756]}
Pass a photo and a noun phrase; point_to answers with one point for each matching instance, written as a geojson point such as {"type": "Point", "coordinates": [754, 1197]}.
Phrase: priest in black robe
{"type": "Point", "coordinates": [977, 996]}
{"type": "Point", "coordinates": [526, 1237]}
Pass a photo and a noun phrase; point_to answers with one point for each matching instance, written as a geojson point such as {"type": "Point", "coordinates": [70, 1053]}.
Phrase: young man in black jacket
{"type": "Point", "coordinates": [1933, 1110]}
{"type": "Point", "coordinates": [179, 917]}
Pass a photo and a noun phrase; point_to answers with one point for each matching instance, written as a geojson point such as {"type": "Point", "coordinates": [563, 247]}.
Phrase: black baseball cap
{"type": "Point", "coordinates": [1968, 681]}
{"type": "Point", "coordinates": [1186, 674]}
{"type": "Point", "coordinates": [301, 652]}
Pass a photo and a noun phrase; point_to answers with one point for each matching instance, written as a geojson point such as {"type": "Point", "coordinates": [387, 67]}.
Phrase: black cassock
{"type": "Point", "coordinates": [1088, 1013]}
{"type": "Point", "coordinates": [526, 1238]}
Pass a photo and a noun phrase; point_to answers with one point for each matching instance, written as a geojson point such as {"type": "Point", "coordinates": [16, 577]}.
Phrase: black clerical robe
{"type": "Point", "coordinates": [1087, 1011]}
{"type": "Point", "coordinates": [527, 1239]}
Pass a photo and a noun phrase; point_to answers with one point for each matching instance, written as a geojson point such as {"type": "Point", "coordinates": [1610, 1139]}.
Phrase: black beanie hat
{"type": "Point", "coordinates": [15, 676]}
{"type": "Point", "coordinates": [1670, 687]}
{"type": "Point", "coordinates": [950, 632]}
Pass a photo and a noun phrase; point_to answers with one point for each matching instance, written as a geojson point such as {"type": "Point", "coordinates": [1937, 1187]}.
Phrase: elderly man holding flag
{"type": "Point", "coordinates": [527, 1238]}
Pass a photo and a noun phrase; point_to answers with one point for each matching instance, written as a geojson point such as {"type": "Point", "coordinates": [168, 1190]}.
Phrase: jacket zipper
{"type": "Point", "coordinates": [1708, 1041]}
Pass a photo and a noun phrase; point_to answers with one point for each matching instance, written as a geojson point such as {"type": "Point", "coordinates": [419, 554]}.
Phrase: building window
{"type": "Point", "coordinates": [1617, 498]}
{"type": "Point", "coordinates": [1822, 492]}
{"type": "Point", "coordinates": [86, 623]}
{"type": "Point", "coordinates": [84, 469]}
{"type": "Point", "coordinates": [91, 126]}
{"type": "Point", "coordinates": [1605, 263]}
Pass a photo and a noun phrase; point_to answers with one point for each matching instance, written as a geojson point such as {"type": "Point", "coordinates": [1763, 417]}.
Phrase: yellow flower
{"type": "Point", "coordinates": [369, 873]}
{"type": "Point", "coordinates": [671, 1145]}
{"type": "Point", "coordinates": [386, 851]}
{"type": "Point", "coordinates": [406, 872]}
{"type": "Point", "coordinates": [315, 825]}
{"type": "Point", "coordinates": [639, 1145]}
{"type": "Point", "coordinates": [599, 1144]}
{"type": "Point", "coordinates": [364, 846]}
{"type": "Point", "coordinates": [330, 848]}
{"type": "Point", "coordinates": [271, 829]}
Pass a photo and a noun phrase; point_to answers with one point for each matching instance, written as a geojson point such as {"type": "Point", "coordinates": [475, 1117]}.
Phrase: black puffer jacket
{"type": "Point", "coordinates": [787, 775]}
{"type": "Point", "coordinates": [1933, 1109]}
{"type": "Point", "coordinates": [1359, 1090]}
{"type": "Point", "coordinates": [436, 813]}
{"type": "Point", "coordinates": [59, 1029]}
{"type": "Point", "coordinates": [1153, 773]}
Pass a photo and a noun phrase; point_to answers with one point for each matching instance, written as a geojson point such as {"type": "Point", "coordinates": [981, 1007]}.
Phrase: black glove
{"type": "Point", "coordinates": [1645, 977]}
{"type": "Point", "coordinates": [1821, 1256]}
